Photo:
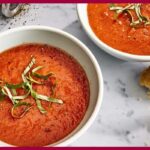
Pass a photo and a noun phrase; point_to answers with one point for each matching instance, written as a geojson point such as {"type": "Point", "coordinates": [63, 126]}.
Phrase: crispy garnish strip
{"type": "Point", "coordinates": [127, 9]}
{"type": "Point", "coordinates": [9, 90]}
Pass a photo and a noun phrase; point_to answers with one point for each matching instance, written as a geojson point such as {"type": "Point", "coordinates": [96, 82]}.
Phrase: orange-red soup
{"type": "Point", "coordinates": [36, 129]}
{"type": "Point", "coordinates": [119, 34]}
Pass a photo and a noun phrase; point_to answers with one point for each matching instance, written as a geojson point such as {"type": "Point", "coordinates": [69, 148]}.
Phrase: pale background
{"type": "Point", "coordinates": [124, 118]}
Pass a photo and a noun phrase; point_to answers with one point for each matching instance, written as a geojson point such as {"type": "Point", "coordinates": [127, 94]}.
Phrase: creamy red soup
{"type": "Point", "coordinates": [35, 128]}
{"type": "Point", "coordinates": [118, 32]}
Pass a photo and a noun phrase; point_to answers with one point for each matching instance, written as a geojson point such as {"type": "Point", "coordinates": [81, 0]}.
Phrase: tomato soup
{"type": "Point", "coordinates": [35, 128]}
{"type": "Point", "coordinates": [118, 33]}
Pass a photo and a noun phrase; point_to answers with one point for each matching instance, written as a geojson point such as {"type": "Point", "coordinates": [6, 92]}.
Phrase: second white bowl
{"type": "Point", "coordinates": [83, 17]}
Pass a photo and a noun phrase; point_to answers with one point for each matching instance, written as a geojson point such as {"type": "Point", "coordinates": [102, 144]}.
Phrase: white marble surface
{"type": "Point", "coordinates": [124, 118]}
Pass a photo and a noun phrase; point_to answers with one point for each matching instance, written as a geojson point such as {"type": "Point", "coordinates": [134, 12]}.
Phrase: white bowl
{"type": "Point", "coordinates": [83, 17]}
{"type": "Point", "coordinates": [65, 41]}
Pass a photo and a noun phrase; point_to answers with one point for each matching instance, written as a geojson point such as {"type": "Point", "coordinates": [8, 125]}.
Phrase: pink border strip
{"type": "Point", "coordinates": [77, 148]}
{"type": "Point", "coordinates": [74, 1]}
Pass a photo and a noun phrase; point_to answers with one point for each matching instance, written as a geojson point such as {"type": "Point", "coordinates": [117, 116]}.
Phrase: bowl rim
{"type": "Point", "coordinates": [89, 54]}
{"type": "Point", "coordinates": [104, 46]}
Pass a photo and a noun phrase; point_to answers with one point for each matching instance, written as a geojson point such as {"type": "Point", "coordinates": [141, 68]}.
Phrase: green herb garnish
{"type": "Point", "coordinates": [14, 86]}
{"type": "Point", "coordinates": [45, 77]}
{"type": "Point", "coordinates": [127, 9]}
{"type": "Point", "coordinates": [30, 78]}
{"type": "Point", "coordinates": [10, 90]}
{"type": "Point", "coordinates": [27, 107]}
{"type": "Point", "coordinates": [40, 107]}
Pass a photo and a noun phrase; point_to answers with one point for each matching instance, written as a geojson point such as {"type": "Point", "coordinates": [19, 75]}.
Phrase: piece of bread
{"type": "Point", "coordinates": [145, 78]}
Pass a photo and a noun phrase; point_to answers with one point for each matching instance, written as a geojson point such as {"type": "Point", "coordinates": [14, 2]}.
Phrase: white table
{"type": "Point", "coordinates": [124, 118]}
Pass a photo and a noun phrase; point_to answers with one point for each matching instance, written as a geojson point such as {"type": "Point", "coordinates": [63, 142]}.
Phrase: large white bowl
{"type": "Point", "coordinates": [65, 41]}
{"type": "Point", "coordinates": [83, 17]}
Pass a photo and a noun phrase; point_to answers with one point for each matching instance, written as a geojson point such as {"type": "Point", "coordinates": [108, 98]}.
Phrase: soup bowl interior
{"type": "Point", "coordinates": [60, 39]}
{"type": "Point", "coordinates": [83, 17]}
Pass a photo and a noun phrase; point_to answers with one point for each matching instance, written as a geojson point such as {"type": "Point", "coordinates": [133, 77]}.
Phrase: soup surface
{"type": "Point", "coordinates": [118, 33]}
{"type": "Point", "coordinates": [35, 128]}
